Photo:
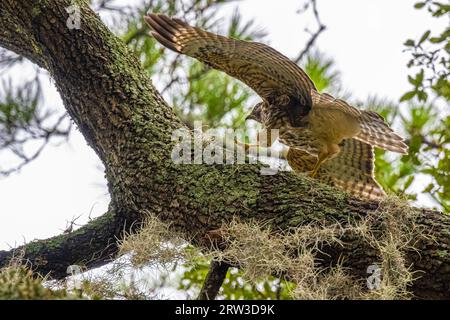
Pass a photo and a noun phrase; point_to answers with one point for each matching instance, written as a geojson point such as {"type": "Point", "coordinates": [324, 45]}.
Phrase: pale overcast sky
{"type": "Point", "coordinates": [364, 37]}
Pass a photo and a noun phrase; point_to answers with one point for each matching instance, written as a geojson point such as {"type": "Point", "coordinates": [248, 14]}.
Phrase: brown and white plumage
{"type": "Point", "coordinates": [351, 170]}
{"type": "Point", "coordinates": [278, 80]}
{"type": "Point", "coordinates": [330, 121]}
{"type": "Point", "coordinates": [317, 126]}
{"type": "Point", "coordinates": [372, 127]}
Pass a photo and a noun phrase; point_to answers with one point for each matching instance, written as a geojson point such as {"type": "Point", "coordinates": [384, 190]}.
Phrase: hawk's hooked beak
{"type": "Point", "coordinates": [250, 117]}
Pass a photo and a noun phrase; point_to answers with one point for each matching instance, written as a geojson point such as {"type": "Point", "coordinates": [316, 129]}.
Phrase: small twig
{"type": "Point", "coordinates": [8, 59]}
{"type": "Point", "coordinates": [314, 35]}
{"type": "Point", "coordinates": [213, 281]}
{"type": "Point", "coordinates": [71, 224]}
{"type": "Point", "coordinates": [43, 134]}
{"type": "Point", "coordinates": [107, 6]}
{"type": "Point", "coordinates": [429, 143]}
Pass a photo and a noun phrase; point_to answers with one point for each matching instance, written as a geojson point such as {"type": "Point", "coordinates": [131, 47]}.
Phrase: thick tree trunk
{"type": "Point", "coordinates": [128, 124]}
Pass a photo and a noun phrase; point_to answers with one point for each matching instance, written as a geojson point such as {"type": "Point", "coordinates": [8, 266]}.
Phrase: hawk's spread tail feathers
{"type": "Point", "coordinates": [351, 170]}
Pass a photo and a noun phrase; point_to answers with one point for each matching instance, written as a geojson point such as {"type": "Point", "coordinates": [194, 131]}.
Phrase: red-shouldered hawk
{"type": "Point", "coordinates": [316, 126]}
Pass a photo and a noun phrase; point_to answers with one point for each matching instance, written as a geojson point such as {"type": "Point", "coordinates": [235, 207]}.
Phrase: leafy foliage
{"type": "Point", "coordinates": [427, 119]}
{"type": "Point", "coordinates": [321, 70]}
{"type": "Point", "coordinates": [430, 58]}
{"type": "Point", "coordinates": [235, 287]}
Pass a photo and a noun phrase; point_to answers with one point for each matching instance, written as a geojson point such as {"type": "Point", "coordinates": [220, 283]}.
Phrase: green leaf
{"type": "Point", "coordinates": [436, 39]}
{"type": "Point", "coordinates": [408, 182]}
{"type": "Point", "coordinates": [424, 37]}
{"type": "Point", "coordinates": [419, 5]}
{"type": "Point", "coordinates": [447, 47]}
{"type": "Point", "coordinates": [422, 96]}
{"type": "Point", "coordinates": [409, 43]}
{"type": "Point", "coordinates": [408, 96]}
{"type": "Point", "coordinates": [419, 77]}
{"type": "Point", "coordinates": [428, 188]}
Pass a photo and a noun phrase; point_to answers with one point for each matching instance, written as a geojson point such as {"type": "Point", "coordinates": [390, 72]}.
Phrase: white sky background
{"type": "Point", "coordinates": [365, 38]}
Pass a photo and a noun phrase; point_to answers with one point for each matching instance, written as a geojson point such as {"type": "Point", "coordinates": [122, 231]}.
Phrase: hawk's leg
{"type": "Point", "coordinates": [245, 145]}
{"type": "Point", "coordinates": [326, 153]}
{"type": "Point", "coordinates": [265, 138]}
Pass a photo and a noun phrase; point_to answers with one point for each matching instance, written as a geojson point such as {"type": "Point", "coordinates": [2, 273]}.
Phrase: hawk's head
{"type": "Point", "coordinates": [256, 113]}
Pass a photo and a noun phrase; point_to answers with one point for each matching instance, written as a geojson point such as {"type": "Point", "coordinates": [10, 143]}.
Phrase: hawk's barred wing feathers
{"type": "Point", "coordinates": [268, 72]}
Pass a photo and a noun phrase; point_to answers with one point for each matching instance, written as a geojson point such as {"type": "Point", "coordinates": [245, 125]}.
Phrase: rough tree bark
{"type": "Point", "coordinates": [129, 125]}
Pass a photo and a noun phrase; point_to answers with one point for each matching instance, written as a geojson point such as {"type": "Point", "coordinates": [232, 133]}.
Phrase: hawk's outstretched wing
{"type": "Point", "coordinates": [352, 169]}
{"type": "Point", "coordinates": [268, 72]}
